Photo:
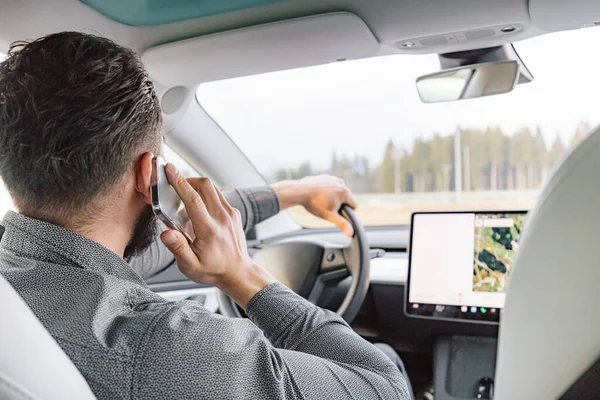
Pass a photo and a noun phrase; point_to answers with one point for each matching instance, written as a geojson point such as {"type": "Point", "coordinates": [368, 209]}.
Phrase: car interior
{"type": "Point", "coordinates": [432, 269]}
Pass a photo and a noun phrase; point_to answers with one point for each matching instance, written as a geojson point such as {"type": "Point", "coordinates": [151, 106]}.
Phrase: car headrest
{"type": "Point", "coordinates": [550, 325]}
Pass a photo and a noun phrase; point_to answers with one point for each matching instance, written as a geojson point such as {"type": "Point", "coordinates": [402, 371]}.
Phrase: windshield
{"type": "Point", "coordinates": [363, 120]}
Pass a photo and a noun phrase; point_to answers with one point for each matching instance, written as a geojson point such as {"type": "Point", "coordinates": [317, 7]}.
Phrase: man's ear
{"type": "Point", "coordinates": [143, 179]}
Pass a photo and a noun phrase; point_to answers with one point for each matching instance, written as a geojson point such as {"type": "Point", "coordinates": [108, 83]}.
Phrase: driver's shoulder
{"type": "Point", "coordinates": [187, 325]}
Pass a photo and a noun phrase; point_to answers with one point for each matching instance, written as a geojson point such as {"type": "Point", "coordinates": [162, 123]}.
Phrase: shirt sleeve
{"type": "Point", "coordinates": [255, 205]}
{"type": "Point", "coordinates": [289, 349]}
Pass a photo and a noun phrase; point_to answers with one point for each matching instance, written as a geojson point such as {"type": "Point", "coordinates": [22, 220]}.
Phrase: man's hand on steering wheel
{"type": "Point", "coordinates": [321, 195]}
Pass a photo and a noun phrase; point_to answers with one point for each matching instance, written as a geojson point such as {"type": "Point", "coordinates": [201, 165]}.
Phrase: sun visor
{"type": "Point", "coordinates": [556, 15]}
{"type": "Point", "coordinates": [272, 47]}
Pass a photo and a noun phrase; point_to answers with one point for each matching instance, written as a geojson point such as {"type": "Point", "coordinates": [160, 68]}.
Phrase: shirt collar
{"type": "Point", "coordinates": [43, 241]}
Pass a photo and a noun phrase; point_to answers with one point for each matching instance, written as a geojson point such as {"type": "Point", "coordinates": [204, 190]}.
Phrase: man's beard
{"type": "Point", "coordinates": [144, 233]}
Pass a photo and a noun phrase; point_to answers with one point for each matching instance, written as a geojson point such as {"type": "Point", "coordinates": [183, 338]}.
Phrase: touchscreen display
{"type": "Point", "coordinates": [459, 263]}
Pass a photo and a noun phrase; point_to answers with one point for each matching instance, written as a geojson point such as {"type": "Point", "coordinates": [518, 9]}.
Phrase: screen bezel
{"type": "Point", "coordinates": [408, 305]}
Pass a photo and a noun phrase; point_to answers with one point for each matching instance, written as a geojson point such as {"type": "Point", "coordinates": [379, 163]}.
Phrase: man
{"type": "Point", "coordinates": [79, 125]}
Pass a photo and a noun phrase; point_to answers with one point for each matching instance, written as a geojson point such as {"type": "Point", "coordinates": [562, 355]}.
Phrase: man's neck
{"type": "Point", "coordinates": [112, 236]}
{"type": "Point", "coordinates": [112, 231]}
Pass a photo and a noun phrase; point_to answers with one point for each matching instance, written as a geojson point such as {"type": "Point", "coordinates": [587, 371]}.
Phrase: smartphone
{"type": "Point", "coordinates": [166, 203]}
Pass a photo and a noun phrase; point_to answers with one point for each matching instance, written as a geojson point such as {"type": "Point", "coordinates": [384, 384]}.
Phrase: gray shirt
{"type": "Point", "coordinates": [130, 343]}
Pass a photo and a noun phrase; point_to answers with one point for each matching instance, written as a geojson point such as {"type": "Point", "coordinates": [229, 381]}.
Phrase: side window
{"type": "Point", "coordinates": [182, 165]}
{"type": "Point", "coordinates": [171, 156]}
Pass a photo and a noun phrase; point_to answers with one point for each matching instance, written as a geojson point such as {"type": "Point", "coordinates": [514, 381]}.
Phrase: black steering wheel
{"type": "Point", "coordinates": [309, 268]}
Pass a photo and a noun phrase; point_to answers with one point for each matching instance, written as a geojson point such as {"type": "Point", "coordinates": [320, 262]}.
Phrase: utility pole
{"type": "Point", "coordinates": [457, 165]}
{"type": "Point", "coordinates": [446, 177]}
{"type": "Point", "coordinates": [397, 172]}
{"type": "Point", "coordinates": [467, 168]}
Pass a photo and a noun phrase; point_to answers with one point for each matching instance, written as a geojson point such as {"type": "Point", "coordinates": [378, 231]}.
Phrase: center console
{"type": "Point", "coordinates": [463, 366]}
{"type": "Point", "coordinates": [458, 270]}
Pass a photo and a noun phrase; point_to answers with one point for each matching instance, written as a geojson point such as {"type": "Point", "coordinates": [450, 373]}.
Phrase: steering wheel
{"type": "Point", "coordinates": [310, 267]}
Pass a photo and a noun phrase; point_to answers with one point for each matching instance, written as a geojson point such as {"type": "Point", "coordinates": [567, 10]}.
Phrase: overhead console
{"type": "Point", "coordinates": [459, 264]}
{"type": "Point", "coordinates": [504, 32]}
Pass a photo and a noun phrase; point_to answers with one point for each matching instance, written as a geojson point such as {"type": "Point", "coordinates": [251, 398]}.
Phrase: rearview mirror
{"type": "Point", "coordinates": [468, 82]}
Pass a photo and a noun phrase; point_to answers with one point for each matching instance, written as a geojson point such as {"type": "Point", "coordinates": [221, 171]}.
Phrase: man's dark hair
{"type": "Point", "coordinates": [76, 112]}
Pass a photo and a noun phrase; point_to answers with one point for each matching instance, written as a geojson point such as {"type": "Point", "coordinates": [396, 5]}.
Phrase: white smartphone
{"type": "Point", "coordinates": [166, 203]}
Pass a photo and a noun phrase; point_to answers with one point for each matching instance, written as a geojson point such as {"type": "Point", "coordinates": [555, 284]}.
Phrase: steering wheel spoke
{"type": "Point", "coordinates": [333, 270]}
{"type": "Point", "coordinates": [333, 259]}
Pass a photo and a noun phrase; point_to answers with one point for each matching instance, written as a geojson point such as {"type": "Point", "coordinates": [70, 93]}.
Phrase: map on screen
{"type": "Point", "coordinates": [496, 246]}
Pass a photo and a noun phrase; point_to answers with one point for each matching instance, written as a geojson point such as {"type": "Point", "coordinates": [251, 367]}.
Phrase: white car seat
{"type": "Point", "coordinates": [32, 364]}
{"type": "Point", "coordinates": [550, 326]}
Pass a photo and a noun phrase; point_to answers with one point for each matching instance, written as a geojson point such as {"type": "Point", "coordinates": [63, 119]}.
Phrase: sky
{"type": "Point", "coordinates": [286, 118]}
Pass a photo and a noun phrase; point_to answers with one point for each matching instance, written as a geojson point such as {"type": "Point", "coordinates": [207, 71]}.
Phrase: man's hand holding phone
{"type": "Point", "coordinates": [218, 255]}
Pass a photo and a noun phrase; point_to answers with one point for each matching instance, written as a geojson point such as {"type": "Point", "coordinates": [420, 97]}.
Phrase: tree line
{"type": "Point", "coordinates": [489, 159]}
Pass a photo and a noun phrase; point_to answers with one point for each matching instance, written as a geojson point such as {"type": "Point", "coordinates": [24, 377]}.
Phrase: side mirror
{"type": "Point", "coordinates": [468, 82]}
